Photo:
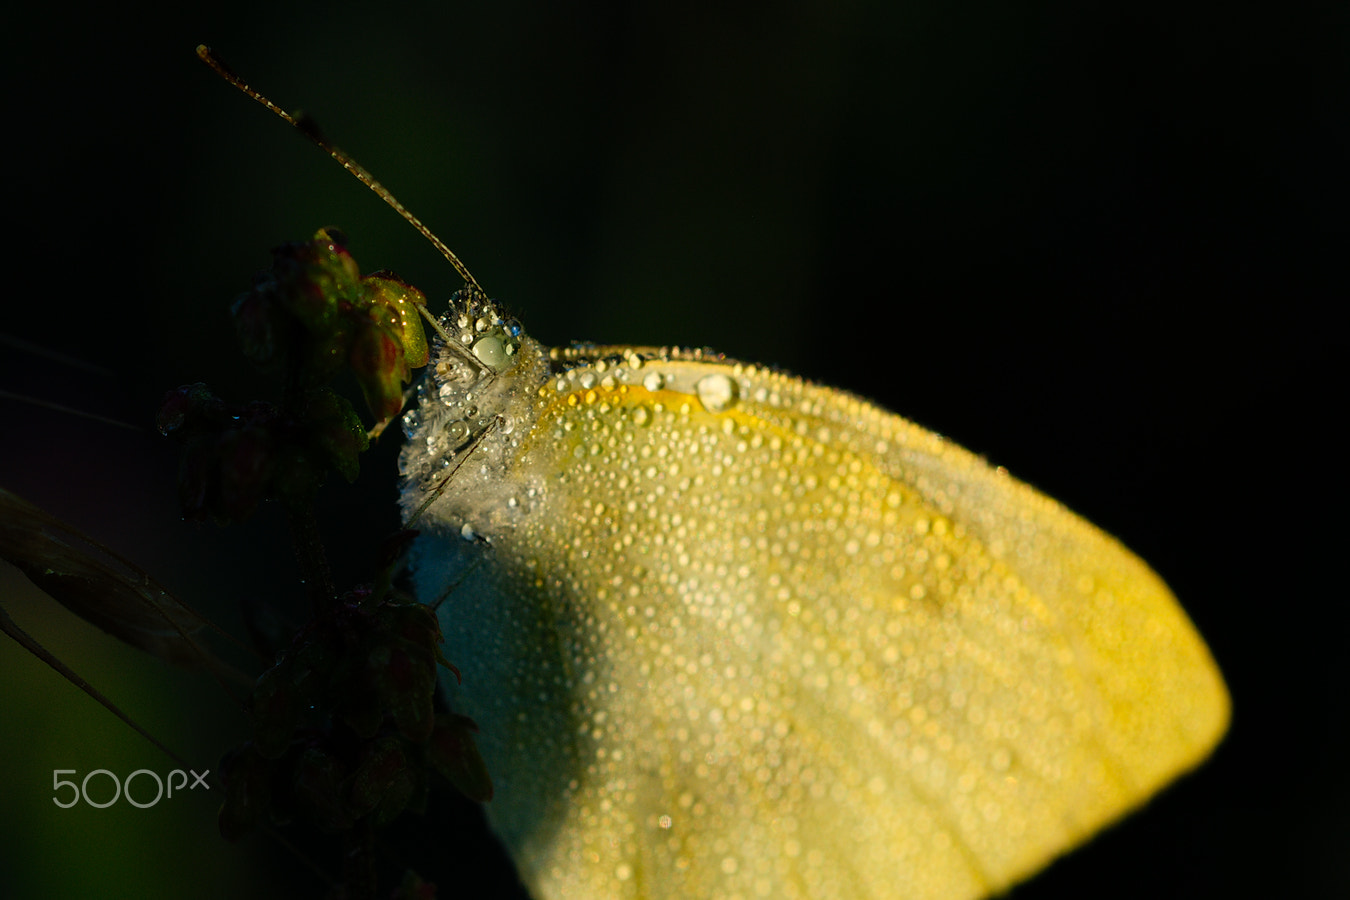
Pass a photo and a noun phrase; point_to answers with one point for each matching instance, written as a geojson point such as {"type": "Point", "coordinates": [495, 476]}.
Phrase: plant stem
{"type": "Point", "coordinates": [313, 560]}
{"type": "Point", "coordinates": [358, 861]}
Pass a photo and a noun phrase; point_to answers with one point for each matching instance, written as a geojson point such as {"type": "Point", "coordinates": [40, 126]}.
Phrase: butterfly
{"type": "Point", "coordinates": [728, 633]}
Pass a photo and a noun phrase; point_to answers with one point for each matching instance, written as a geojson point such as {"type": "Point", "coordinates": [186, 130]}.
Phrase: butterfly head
{"type": "Point", "coordinates": [480, 341]}
{"type": "Point", "coordinates": [469, 400]}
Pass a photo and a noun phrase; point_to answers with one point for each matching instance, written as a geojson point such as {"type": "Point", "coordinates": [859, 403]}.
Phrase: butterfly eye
{"type": "Point", "coordinates": [491, 352]}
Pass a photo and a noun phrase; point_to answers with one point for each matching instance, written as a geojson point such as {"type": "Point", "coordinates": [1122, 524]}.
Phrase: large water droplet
{"type": "Point", "coordinates": [456, 433]}
{"type": "Point", "coordinates": [716, 392]}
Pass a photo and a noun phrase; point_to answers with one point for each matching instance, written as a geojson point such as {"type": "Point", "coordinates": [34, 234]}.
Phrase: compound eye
{"type": "Point", "coordinates": [491, 352]}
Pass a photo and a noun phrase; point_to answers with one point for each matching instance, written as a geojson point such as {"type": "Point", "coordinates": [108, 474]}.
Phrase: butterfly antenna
{"type": "Point", "coordinates": [309, 129]}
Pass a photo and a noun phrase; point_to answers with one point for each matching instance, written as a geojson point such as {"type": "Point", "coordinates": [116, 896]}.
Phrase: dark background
{"type": "Point", "coordinates": [1105, 248]}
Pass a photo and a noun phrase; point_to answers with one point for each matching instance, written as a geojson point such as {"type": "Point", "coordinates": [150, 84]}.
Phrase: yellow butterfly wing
{"type": "Point", "coordinates": [742, 636]}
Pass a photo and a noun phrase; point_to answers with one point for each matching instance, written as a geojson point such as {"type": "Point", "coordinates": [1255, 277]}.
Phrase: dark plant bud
{"type": "Point", "coordinates": [455, 756]}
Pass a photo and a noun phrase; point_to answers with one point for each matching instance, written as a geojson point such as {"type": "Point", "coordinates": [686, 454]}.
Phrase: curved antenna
{"type": "Point", "coordinates": [309, 129]}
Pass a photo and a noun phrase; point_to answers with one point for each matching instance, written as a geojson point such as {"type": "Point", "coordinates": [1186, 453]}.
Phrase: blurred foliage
{"type": "Point", "coordinates": [346, 735]}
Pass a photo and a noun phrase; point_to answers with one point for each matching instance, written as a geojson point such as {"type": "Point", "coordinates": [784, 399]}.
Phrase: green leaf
{"type": "Point", "coordinates": [394, 304]}
{"type": "Point", "coordinates": [337, 432]}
